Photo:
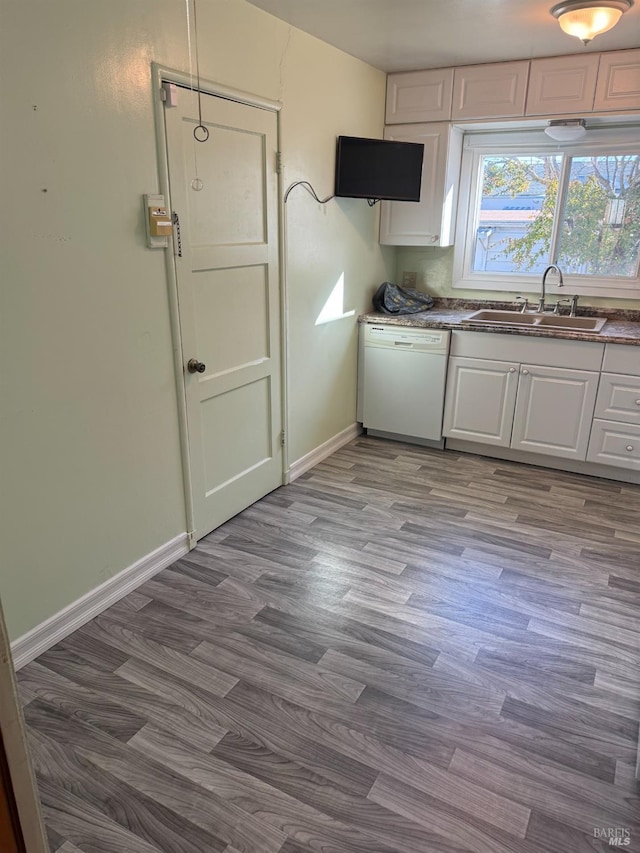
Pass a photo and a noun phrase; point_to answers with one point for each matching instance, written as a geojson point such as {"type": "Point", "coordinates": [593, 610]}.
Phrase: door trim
{"type": "Point", "coordinates": [17, 755]}
{"type": "Point", "coordinates": [159, 75]}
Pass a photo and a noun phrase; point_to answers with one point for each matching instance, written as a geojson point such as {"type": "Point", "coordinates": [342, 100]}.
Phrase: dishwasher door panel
{"type": "Point", "coordinates": [404, 391]}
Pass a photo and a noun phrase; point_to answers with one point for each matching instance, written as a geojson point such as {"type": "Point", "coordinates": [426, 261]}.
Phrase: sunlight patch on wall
{"type": "Point", "coordinates": [333, 308]}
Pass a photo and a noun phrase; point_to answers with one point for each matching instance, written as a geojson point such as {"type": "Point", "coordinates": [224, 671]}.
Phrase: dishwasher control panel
{"type": "Point", "coordinates": [429, 340]}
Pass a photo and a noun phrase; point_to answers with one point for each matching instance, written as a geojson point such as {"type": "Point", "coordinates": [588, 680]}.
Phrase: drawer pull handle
{"type": "Point", "coordinates": [637, 402]}
{"type": "Point", "coordinates": [512, 370]}
{"type": "Point", "coordinates": [629, 447]}
{"type": "Point", "coordinates": [525, 372]}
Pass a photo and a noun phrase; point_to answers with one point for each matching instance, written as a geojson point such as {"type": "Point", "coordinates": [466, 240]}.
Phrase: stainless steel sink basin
{"type": "Point", "coordinates": [583, 324]}
{"type": "Point", "coordinates": [504, 318]}
{"type": "Point", "coordinates": [489, 317]}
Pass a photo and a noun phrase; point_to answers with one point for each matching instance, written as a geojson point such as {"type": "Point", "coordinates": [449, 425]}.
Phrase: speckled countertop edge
{"type": "Point", "coordinates": [622, 327]}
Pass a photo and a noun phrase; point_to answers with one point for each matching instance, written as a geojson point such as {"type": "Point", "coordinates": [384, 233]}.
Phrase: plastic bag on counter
{"type": "Point", "coordinates": [392, 299]}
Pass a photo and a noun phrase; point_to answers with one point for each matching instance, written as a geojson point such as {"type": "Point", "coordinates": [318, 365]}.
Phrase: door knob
{"type": "Point", "coordinates": [195, 366]}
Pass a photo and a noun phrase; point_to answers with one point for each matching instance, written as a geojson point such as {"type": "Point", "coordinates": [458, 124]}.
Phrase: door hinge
{"type": "Point", "coordinates": [282, 439]}
{"type": "Point", "coordinates": [278, 162]}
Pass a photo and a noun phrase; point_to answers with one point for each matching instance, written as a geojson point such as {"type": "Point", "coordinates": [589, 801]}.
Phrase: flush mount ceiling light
{"type": "Point", "coordinates": [586, 19]}
{"type": "Point", "coordinates": [566, 131]}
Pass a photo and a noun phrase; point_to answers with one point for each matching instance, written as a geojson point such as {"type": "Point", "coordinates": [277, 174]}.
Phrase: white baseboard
{"type": "Point", "coordinates": [61, 624]}
{"type": "Point", "coordinates": [319, 453]}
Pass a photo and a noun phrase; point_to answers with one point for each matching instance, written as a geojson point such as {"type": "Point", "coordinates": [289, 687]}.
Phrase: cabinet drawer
{"type": "Point", "coordinates": [615, 444]}
{"type": "Point", "coordinates": [619, 398]}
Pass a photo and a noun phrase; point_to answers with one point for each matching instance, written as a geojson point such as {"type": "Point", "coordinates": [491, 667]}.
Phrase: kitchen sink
{"type": "Point", "coordinates": [489, 317]}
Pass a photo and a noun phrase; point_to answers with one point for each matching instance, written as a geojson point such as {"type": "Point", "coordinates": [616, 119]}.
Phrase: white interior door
{"type": "Point", "coordinates": [224, 191]}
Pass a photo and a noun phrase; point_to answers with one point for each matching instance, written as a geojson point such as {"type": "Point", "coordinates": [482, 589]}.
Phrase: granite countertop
{"type": "Point", "coordinates": [622, 327]}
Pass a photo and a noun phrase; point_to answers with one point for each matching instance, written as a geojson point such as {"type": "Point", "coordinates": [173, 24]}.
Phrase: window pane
{"type": "Point", "coordinates": [600, 229]}
{"type": "Point", "coordinates": [515, 219]}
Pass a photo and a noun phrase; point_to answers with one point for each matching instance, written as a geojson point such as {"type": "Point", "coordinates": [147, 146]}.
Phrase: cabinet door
{"type": "Point", "coordinates": [480, 400]}
{"type": "Point", "coordinates": [490, 91]}
{"type": "Point", "coordinates": [430, 221]}
{"type": "Point", "coordinates": [554, 410]}
{"type": "Point", "coordinates": [618, 86]}
{"type": "Point", "coordinates": [562, 84]}
{"type": "Point", "coordinates": [419, 96]}
{"type": "Point", "coordinates": [615, 444]}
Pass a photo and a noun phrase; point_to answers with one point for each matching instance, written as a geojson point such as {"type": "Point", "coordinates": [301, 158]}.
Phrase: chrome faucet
{"type": "Point", "coordinates": [555, 267]}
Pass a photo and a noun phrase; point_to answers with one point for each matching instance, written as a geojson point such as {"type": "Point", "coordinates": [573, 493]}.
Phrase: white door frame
{"type": "Point", "coordinates": [22, 777]}
{"type": "Point", "coordinates": [159, 75]}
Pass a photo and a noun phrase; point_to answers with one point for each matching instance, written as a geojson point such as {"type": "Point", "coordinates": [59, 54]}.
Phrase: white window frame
{"type": "Point", "coordinates": [603, 140]}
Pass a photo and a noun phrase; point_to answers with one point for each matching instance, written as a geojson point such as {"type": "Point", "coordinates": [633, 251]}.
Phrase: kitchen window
{"type": "Point", "coordinates": [526, 202]}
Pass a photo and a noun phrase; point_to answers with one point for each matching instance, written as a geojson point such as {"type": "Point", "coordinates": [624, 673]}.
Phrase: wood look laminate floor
{"type": "Point", "coordinates": [404, 650]}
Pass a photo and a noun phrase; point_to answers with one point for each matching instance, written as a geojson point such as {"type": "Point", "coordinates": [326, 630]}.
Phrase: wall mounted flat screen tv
{"type": "Point", "coordinates": [378, 169]}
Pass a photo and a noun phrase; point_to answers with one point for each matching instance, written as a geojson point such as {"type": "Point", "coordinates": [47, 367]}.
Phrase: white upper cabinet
{"type": "Point", "coordinates": [496, 90]}
{"type": "Point", "coordinates": [562, 84]}
{"type": "Point", "coordinates": [430, 221]}
{"type": "Point", "coordinates": [618, 81]}
{"type": "Point", "coordinates": [419, 96]}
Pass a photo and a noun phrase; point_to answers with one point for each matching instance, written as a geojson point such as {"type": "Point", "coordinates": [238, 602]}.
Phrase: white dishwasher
{"type": "Point", "coordinates": [403, 379]}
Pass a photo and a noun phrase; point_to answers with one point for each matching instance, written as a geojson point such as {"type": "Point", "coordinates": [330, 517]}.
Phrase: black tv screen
{"type": "Point", "coordinates": [378, 169]}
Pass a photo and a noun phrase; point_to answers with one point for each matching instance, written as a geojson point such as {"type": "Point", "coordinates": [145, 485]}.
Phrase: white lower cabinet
{"type": "Point", "coordinates": [537, 408]}
{"type": "Point", "coordinates": [481, 396]}
{"type": "Point", "coordinates": [554, 409]}
{"type": "Point", "coordinates": [615, 436]}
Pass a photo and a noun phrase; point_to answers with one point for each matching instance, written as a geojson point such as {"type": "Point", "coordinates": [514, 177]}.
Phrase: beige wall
{"type": "Point", "coordinates": [434, 273]}
{"type": "Point", "coordinates": [92, 479]}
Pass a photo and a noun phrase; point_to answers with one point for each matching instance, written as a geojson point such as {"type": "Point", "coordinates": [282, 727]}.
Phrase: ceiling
{"type": "Point", "coordinates": [404, 35]}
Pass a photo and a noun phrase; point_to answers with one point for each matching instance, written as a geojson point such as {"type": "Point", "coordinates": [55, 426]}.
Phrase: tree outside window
{"type": "Point", "coordinates": [582, 212]}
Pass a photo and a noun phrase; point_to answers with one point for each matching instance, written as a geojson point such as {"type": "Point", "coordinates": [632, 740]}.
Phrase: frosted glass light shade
{"type": "Point", "coordinates": [585, 20]}
{"type": "Point", "coordinates": [566, 131]}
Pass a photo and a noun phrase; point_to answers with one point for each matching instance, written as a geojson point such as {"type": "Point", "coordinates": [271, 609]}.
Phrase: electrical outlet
{"type": "Point", "coordinates": [408, 279]}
